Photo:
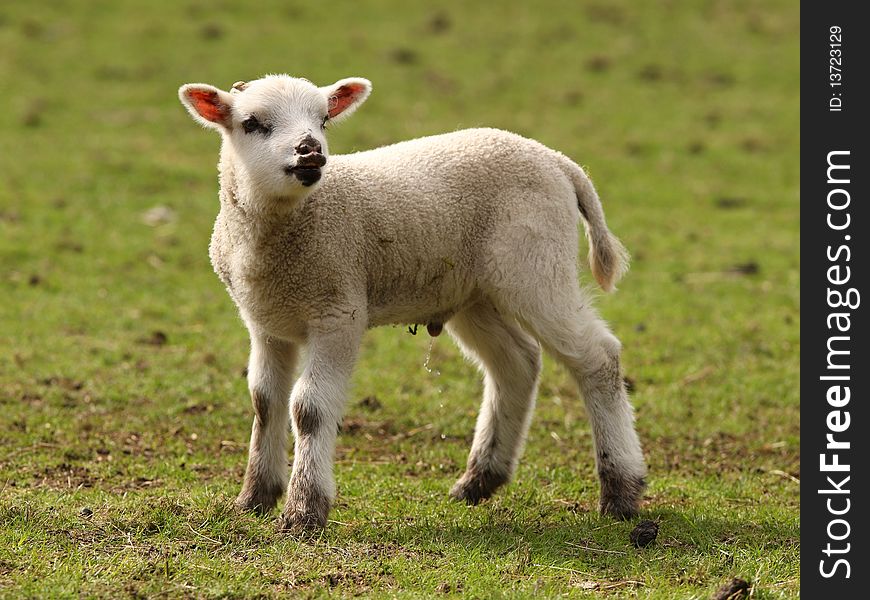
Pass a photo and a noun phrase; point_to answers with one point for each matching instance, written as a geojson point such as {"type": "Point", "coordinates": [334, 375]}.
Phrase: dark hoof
{"type": "Point", "coordinates": [258, 502]}
{"type": "Point", "coordinates": [305, 515]}
{"type": "Point", "coordinates": [620, 495]}
{"type": "Point", "coordinates": [301, 523]}
{"type": "Point", "coordinates": [476, 485]}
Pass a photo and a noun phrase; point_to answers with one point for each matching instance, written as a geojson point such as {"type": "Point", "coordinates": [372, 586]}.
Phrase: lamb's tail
{"type": "Point", "coordinates": [608, 258]}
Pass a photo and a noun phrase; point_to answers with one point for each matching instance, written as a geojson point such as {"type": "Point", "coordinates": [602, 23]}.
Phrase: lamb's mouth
{"type": "Point", "coordinates": [307, 168]}
{"type": "Point", "coordinates": [307, 176]}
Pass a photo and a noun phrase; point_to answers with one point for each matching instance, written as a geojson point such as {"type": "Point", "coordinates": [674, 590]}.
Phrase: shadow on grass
{"type": "Point", "coordinates": [598, 546]}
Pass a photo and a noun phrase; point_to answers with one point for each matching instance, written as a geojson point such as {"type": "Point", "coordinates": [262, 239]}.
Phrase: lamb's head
{"type": "Point", "coordinates": [274, 126]}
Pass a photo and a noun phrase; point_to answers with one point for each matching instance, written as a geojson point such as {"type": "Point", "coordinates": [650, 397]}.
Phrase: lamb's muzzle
{"type": "Point", "coordinates": [309, 163]}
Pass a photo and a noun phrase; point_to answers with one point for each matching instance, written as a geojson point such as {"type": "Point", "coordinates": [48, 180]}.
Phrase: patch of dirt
{"type": "Point", "coordinates": [734, 589]}
{"type": "Point", "coordinates": [32, 398]}
{"type": "Point", "coordinates": [696, 147]}
{"type": "Point", "coordinates": [33, 115]}
{"type": "Point", "coordinates": [139, 483]}
{"type": "Point", "coordinates": [349, 580]}
{"type": "Point", "coordinates": [439, 23]}
{"type": "Point", "coordinates": [132, 590]}
{"type": "Point", "coordinates": [403, 56]}
{"type": "Point", "coordinates": [730, 202]}
{"type": "Point", "coordinates": [64, 477]}
{"type": "Point", "coordinates": [356, 426]}
{"type": "Point", "coordinates": [129, 443]}
{"type": "Point", "coordinates": [606, 13]}
{"type": "Point", "coordinates": [720, 79]}
{"type": "Point", "coordinates": [10, 216]}
{"type": "Point", "coordinates": [446, 587]}
{"type": "Point", "coordinates": [441, 82]}
{"type": "Point", "coordinates": [212, 31]}
{"type": "Point", "coordinates": [370, 403]}
{"type": "Point", "coordinates": [75, 455]}
{"type": "Point", "coordinates": [156, 338]}
{"type": "Point", "coordinates": [598, 63]}
{"type": "Point", "coordinates": [651, 73]}
{"type": "Point", "coordinates": [635, 149]}
{"type": "Point", "coordinates": [748, 268]}
{"type": "Point", "coordinates": [713, 118]}
{"type": "Point", "coordinates": [754, 144]}
{"type": "Point", "coordinates": [67, 245]}
{"type": "Point", "coordinates": [65, 383]}
{"type": "Point", "coordinates": [575, 506]}
{"type": "Point", "coordinates": [382, 550]}
{"type": "Point", "coordinates": [572, 97]}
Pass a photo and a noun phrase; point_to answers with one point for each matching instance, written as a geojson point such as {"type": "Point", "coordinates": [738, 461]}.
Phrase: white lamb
{"type": "Point", "coordinates": [476, 230]}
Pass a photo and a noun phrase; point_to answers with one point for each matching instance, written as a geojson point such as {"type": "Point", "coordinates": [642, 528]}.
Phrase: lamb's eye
{"type": "Point", "coordinates": [323, 123]}
{"type": "Point", "coordinates": [251, 124]}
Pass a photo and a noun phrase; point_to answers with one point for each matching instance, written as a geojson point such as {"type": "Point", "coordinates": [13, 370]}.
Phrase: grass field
{"type": "Point", "coordinates": [124, 415]}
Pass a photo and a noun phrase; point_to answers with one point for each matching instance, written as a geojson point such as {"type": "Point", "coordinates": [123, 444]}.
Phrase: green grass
{"type": "Point", "coordinates": [686, 114]}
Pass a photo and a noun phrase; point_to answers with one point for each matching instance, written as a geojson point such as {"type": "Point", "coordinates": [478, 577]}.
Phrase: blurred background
{"type": "Point", "coordinates": [121, 355]}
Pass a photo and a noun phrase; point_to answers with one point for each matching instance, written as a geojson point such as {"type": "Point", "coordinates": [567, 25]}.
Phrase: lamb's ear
{"type": "Point", "coordinates": [208, 105]}
{"type": "Point", "coordinates": [345, 95]}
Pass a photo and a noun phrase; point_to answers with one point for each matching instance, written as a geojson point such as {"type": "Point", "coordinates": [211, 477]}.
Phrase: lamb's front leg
{"type": "Point", "coordinates": [317, 404]}
{"type": "Point", "coordinates": [270, 373]}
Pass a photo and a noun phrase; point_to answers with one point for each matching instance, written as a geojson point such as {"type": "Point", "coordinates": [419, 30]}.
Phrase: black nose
{"type": "Point", "coordinates": [308, 145]}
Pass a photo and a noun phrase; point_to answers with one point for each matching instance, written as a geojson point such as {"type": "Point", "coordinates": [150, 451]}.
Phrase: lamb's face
{"type": "Point", "coordinates": [278, 133]}
{"type": "Point", "coordinates": [275, 126]}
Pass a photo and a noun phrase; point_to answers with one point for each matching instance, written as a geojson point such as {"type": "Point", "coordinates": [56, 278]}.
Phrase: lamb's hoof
{"type": "Point", "coordinates": [476, 485]}
{"type": "Point", "coordinates": [260, 502]}
{"type": "Point", "coordinates": [620, 495]}
{"type": "Point", "coordinates": [301, 524]}
{"type": "Point", "coordinates": [304, 515]}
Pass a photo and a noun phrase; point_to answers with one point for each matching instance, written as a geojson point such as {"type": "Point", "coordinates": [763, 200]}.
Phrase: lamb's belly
{"type": "Point", "coordinates": [435, 303]}
{"type": "Point", "coordinates": [401, 314]}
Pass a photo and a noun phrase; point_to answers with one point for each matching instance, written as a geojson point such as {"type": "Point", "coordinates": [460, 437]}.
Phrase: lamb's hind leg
{"type": "Point", "coordinates": [511, 362]}
{"type": "Point", "coordinates": [580, 340]}
{"type": "Point", "coordinates": [270, 372]}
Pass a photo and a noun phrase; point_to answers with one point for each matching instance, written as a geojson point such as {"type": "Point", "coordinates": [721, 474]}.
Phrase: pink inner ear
{"type": "Point", "coordinates": [344, 97]}
{"type": "Point", "coordinates": [208, 104]}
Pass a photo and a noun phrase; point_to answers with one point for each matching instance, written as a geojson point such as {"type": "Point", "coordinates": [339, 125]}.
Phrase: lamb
{"type": "Point", "coordinates": [475, 230]}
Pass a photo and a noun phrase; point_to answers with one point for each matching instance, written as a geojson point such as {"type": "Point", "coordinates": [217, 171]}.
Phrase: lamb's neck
{"type": "Point", "coordinates": [248, 204]}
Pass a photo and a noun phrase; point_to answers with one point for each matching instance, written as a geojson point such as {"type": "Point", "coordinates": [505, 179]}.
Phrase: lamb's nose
{"type": "Point", "coordinates": [308, 145]}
